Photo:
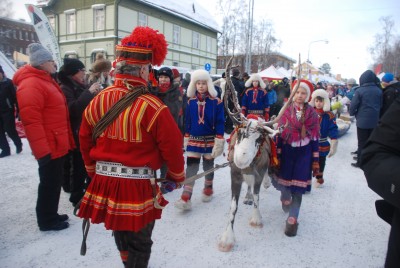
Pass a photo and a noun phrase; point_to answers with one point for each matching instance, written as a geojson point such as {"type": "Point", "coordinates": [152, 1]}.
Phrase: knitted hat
{"type": "Point", "coordinates": [101, 64]}
{"type": "Point", "coordinates": [143, 46]}
{"type": "Point", "coordinates": [307, 85]}
{"type": "Point", "coordinates": [167, 72]}
{"type": "Point", "coordinates": [351, 81]}
{"type": "Point", "coordinates": [387, 78]}
{"type": "Point", "coordinates": [72, 66]}
{"type": "Point", "coordinates": [176, 73]}
{"type": "Point", "coordinates": [323, 94]}
{"type": "Point", "coordinates": [255, 77]}
{"type": "Point", "coordinates": [201, 75]}
{"type": "Point", "coordinates": [1, 70]}
{"type": "Point", "coordinates": [38, 54]}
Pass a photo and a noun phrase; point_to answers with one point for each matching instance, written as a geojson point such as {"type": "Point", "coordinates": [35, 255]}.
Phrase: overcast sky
{"type": "Point", "coordinates": [349, 26]}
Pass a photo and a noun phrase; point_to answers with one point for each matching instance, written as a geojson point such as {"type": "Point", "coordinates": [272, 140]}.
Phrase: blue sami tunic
{"type": "Point", "coordinates": [255, 101]}
{"type": "Point", "coordinates": [328, 128]}
{"type": "Point", "coordinates": [204, 121]}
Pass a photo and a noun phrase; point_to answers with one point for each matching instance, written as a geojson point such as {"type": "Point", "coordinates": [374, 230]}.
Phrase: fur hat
{"type": "Point", "coordinates": [101, 64]}
{"type": "Point", "coordinates": [307, 85]}
{"type": "Point", "coordinates": [200, 75]}
{"type": "Point", "coordinates": [38, 54]}
{"type": "Point", "coordinates": [323, 94]}
{"type": "Point", "coordinates": [72, 66]}
{"type": "Point", "coordinates": [255, 77]}
{"type": "Point", "coordinates": [143, 46]}
{"type": "Point", "coordinates": [167, 72]}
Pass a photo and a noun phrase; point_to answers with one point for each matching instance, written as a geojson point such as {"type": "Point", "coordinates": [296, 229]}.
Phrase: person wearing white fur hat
{"type": "Point", "coordinates": [328, 129]}
{"type": "Point", "coordinates": [204, 133]}
{"type": "Point", "coordinates": [255, 99]}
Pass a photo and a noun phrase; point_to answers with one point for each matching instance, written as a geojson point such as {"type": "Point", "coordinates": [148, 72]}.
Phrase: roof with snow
{"type": "Point", "coordinates": [187, 10]}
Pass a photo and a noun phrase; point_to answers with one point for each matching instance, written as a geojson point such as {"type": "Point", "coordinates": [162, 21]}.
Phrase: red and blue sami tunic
{"type": "Point", "coordinates": [204, 122]}
{"type": "Point", "coordinates": [137, 138]}
{"type": "Point", "coordinates": [328, 128]}
{"type": "Point", "coordinates": [255, 101]}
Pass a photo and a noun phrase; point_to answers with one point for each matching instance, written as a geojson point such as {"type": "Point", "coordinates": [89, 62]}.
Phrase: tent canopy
{"type": "Point", "coordinates": [271, 73]}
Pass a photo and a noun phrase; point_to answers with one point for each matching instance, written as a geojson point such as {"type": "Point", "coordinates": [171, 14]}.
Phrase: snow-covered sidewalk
{"type": "Point", "coordinates": [338, 226]}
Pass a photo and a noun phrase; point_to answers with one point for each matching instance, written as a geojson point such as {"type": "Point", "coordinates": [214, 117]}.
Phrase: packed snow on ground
{"type": "Point", "coordinates": [338, 226]}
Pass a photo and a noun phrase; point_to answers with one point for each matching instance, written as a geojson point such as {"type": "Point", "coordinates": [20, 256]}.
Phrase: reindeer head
{"type": "Point", "coordinates": [250, 136]}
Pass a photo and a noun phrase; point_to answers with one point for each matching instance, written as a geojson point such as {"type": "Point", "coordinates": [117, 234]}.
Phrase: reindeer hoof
{"type": "Point", "coordinates": [248, 202]}
{"type": "Point", "coordinates": [256, 224]}
{"type": "Point", "coordinates": [225, 247]}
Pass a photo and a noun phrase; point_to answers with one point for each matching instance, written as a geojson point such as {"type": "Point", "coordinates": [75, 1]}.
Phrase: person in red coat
{"type": "Point", "coordinates": [121, 158]}
{"type": "Point", "coordinates": [44, 114]}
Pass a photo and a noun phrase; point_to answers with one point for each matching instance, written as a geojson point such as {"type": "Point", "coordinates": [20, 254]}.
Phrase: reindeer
{"type": "Point", "coordinates": [249, 157]}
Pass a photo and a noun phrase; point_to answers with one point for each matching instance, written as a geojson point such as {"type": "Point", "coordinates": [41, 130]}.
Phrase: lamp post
{"type": "Point", "coordinates": [308, 55]}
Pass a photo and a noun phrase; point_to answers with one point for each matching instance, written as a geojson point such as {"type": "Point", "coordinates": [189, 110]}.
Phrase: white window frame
{"type": "Point", "coordinates": [52, 21]}
{"type": "Point", "coordinates": [142, 19]}
{"type": "Point", "coordinates": [208, 44]}
{"type": "Point", "coordinates": [176, 38]}
{"type": "Point", "coordinates": [196, 40]}
{"type": "Point", "coordinates": [70, 20]}
{"type": "Point", "coordinates": [99, 17]}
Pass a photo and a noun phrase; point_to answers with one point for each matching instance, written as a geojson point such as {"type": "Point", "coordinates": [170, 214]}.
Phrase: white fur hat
{"type": "Point", "coordinates": [200, 75]}
{"type": "Point", "coordinates": [255, 77]}
{"type": "Point", "coordinates": [323, 94]}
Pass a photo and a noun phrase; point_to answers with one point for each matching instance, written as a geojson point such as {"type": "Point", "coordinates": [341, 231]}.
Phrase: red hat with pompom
{"type": "Point", "coordinates": [143, 46]}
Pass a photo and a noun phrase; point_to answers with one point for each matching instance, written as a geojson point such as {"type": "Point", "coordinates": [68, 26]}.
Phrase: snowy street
{"type": "Point", "coordinates": [338, 225]}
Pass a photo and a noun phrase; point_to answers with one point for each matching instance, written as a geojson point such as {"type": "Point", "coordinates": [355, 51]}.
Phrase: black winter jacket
{"type": "Point", "coordinates": [8, 99]}
{"type": "Point", "coordinates": [390, 93]}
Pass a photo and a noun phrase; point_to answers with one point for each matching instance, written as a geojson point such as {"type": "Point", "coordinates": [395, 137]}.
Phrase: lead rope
{"type": "Point", "coordinates": [85, 231]}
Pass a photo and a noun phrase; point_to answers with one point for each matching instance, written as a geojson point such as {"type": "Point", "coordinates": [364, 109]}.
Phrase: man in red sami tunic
{"type": "Point", "coordinates": [123, 159]}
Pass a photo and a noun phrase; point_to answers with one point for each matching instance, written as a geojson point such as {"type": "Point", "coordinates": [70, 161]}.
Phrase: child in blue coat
{"type": "Point", "coordinates": [328, 129]}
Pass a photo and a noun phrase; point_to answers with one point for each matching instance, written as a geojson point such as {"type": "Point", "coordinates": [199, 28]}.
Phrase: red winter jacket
{"type": "Point", "coordinates": [43, 112]}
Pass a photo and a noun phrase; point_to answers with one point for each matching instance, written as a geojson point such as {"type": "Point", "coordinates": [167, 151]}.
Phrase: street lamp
{"type": "Point", "coordinates": [308, 55]}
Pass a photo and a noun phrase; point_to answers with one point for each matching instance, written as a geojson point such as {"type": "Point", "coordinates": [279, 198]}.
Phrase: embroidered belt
{"type": "Point", "coordinates": [202, 138]}
{"type": "Point", "coordinates": [323, 139]}
{"type": "Point", "coordinates": [261, 112]}
{"type": "Point", "coordinates": [118, 170]}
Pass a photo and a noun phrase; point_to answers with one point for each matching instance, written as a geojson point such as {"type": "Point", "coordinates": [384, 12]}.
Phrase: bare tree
{"type": "Point", "coordinates": [386, 48]}
{"type": "Point", "coordinates": [326, 68]}
{"type": "Point", "coordinates": [6, 8]}
{"type": "Point", "coordinates": [264, 42]}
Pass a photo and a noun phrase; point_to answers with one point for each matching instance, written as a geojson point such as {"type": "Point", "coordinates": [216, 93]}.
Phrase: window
{"type": "Point", "coordinates": [52, 21]}
{"type": "Point", "coordinates": [175, 63]}
{"type": "Point", "coordinates": [196, 40]}
{"type": "Point", "coordinates": [26, 36]}
{"type": "Point", "coordinates": [71, 21]}
{"type": "Point", "coordinates": [21, 35]}
{"type": "Point", "coordinates": [142, 19]}
{"type": "Point", "coordinates": [99, 16]}
{"type": "Point", "coordinates": [15, 34]}
{"type": "Point", "coordinates": [208, 44]}
{"type": "Point", "coordinates": [177, 34]}
{"type": "Point", "coordinates": [32, 37]}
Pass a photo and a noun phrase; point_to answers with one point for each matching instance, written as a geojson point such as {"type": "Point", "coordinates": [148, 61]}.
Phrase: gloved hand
{"type": "Point", "coordinates": [169, 186]}
{"type": "Point", "coordinates": [218, 147]}
{"type": "Point", "coordinates": [315, 168]}
{"type": "Point", "coordinates": [334, 144]}
{"type": "Point", "coordinates": [185, 142]}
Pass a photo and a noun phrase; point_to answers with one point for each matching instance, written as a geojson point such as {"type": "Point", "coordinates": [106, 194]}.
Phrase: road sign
{"type": "Point", "coordinates": [207, 67]}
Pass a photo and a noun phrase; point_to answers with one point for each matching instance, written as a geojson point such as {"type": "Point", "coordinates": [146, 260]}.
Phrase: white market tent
{"type": "Point", "coordinates": [285, 73]}
{"type": "Point", "coordinates": [8, 68]}
{"type": "Point", "coordinates": [271, 73]}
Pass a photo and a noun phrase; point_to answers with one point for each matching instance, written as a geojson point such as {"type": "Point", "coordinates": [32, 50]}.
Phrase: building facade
{"type": "Point", "coordinates": [15, 36]}
{"type": "Point", "coordinates": [84, 28]}
{"type": "Point", "coordinates": [258, 62]}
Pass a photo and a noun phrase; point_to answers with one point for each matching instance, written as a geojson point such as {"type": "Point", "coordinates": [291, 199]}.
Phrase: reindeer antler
{"type": "Point", "coordinates": [235, 115]}
{"type": "Point", "coordinates": [290, 100]}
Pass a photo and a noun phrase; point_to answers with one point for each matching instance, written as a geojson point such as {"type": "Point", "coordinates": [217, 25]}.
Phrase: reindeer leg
{"type": "Point", "coordinates": [248, 199]}
{"type": "Point", "coordinates": [227, 240]}
{"type": "Point", "coordinates": [255, 220]}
